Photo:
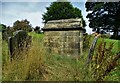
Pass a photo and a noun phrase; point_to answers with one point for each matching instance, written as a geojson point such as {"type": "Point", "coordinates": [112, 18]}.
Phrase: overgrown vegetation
{"type": "Point", "coordinates": [0, 56]}
{"type": "Point", "coordinates": [38, 64]}
{"type": "Point", "coordinates": [100, 21]}
{"type": "Point", "coordinates": [103, 61]}
{"type": "Point", "coordinates": [31, 67]}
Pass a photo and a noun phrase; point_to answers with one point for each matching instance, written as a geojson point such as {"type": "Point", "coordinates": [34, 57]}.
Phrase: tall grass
{"type": "Point", "coordinates": [104, 53]}
{"type": "Point", "coordinates": [31, 67]}
{"type": "Point", "coordinates": [38, 64]}
{"type": "Point", "coordinates": [0, 56]}
{"type": "Point", "coordinates": [99, 50]}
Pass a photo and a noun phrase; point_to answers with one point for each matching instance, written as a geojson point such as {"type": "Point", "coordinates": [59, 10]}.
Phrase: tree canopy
{"type": "Point", "coordinates": [22, 25]}
{"type": "Point", "coordinates": [62, 10]}
{"type": "Point", "coordinates": [104, 16]}
{"type": "Point", "coordinates": [37, 29]}
{"type": "Point", "coordinates": [2, 27]}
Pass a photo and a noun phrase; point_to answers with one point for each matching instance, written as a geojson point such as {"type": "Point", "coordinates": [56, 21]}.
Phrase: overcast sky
{"type": "Point", "coordinates": [32, 10]}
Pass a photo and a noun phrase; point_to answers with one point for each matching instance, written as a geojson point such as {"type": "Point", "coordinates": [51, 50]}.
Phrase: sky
{"type": "Point", "coordinates": [32, 10]}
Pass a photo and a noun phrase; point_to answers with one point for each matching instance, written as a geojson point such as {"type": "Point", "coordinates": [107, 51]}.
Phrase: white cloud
{"type": "Point", "coordinates": [31, 11]}
{"type": "Point", "coordinates": [35, 18]}
{"type": "Point", "coordinates": [28, 0]}
{"type": "Point", "coordinates": [41, 0]}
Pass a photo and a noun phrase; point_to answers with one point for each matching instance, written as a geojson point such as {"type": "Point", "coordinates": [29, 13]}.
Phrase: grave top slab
{"type": "Point", "coordinates": [63, 24]}
{"type": "Point", "coordinates": [65, 21]}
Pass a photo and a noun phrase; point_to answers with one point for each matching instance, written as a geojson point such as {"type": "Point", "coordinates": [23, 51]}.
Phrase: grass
{"type": "Point", "coordinates": [38, 64]}
{"type": "Point", "coordinates": [36, 36]}
{"type": "Point", "coordinates": [114, 75]}
{"type": "Point", "coordinates": [0, 47]}
{"type": "Point", "coordinates": [58, 67]}
{"type": "Point", "coordinates": [31, 67]}
{"type": "Point", "coordinates": [0, 56]}
{"type": "Point", "coordinates": [116, 44]}
{"type": "Point", "coordinates": [5, 52]}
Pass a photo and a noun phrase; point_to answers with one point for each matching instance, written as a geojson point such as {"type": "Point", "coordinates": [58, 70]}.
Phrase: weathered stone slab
{"type": "Point", "coordinates": [19, 42]}
{"type": "Point", "coordinates": [73, 23]}
{"type": "Point", "coordinates": [64, 36]}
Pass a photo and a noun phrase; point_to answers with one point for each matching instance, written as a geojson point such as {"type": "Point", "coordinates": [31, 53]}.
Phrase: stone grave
{"type": "Point", "coordinates": [19, 42]}
{"type": "Point", "coordinates": [64, 37]}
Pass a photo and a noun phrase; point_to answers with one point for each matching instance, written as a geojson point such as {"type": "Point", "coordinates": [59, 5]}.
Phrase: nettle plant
{"type": "Point", "coordinates": [103, 61]}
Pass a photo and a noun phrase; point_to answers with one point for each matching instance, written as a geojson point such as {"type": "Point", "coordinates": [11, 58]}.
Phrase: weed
{"type": "Point", "coordinates": [103, 61]}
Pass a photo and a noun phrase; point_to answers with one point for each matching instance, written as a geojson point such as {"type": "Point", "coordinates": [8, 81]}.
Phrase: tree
{"type": "Point", "coordinates": [104, 16]}
{"type": "Point", "coordinates": [22, 25]}
{"type": "Point", "coordinates": [6, 31]}
{"type": "Point", "coordinates": [62, 10]}
{"type": "Point", "coordinates": [2, 27]}
{"type": "Point", "coordinates": [37, 29]}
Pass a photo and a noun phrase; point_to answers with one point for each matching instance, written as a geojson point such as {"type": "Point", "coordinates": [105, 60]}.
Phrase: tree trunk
{"type": "Point", "coordinates": [115, 34]}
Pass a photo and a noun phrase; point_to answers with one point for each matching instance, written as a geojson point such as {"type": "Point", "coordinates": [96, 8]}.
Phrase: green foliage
{"type": "Point", "coordinates": [7, 32]}
{"type": "Point", "coordinates": [29, 66]}
{"type": "Point", "coordinates": [86, 43]}
{"type": "Point", "coordinates": [5, 52]}
{"type": "Point", "coordinates": [0, 57]}
{"type": "Point", "coordinates": [114, 75]}
{"type": "Point", "coordinates": [2, 27]}
{"type": "Point", "coordinates": [106, 50]}
{"type": "Point", "coordinates": [62, 10]}
{"type": "Point", "coordinates": [39, 64]}
{"type": "Point", "coordinates": [22, 25]}
{"type": "Point", "coordinates": [37, 29]}
{"type": "Point", "coordinates": [103, 62]}
{"type": "Point", "coordinates": [104, 15]}
{"type": "Point", "coordinates": [36, 36]}
{"type": "Point", "coordinates": [107, 36]}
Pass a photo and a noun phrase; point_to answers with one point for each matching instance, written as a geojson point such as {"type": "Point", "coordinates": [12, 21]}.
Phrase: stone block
{"type": "Point", "coordinates": [19, 42]}
{"type": "Point", "coordinates": [64, 36]}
